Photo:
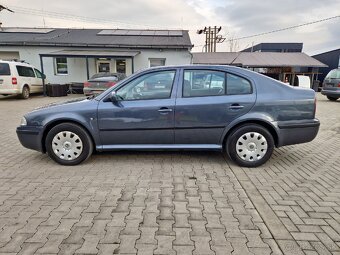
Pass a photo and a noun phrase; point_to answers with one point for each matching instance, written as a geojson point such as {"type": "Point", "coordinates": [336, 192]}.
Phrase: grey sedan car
{"type": "Point", "coordinates": [331, 85]}
{"type": "Point", "coordinates": [101, 82]}
{"type": "Point", "coordinates": [239, 112]}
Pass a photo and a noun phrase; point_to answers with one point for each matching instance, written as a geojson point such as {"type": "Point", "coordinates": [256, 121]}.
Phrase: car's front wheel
{"type": "Point", "coordinates": [332, 98]}
{"type": "Point", "coordinates": [68, 144]}
{"type": "Point", "coordinates": [250, 145]}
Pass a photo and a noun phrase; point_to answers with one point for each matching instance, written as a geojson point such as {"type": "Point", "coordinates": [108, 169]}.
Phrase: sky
{"type": "Point", "coordinates": [238, 18]}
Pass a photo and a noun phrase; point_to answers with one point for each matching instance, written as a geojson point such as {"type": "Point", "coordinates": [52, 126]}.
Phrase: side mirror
{"type": "Point", "coordinates": [43, 76]}
{"type": "Point", "coordinates": [114, 98]}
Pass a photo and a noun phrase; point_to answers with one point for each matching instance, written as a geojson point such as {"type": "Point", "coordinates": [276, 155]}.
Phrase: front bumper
{"type": "Point", "coordinates": [31, 137]}
{"type": "Point", "coordinates": [294, 132]}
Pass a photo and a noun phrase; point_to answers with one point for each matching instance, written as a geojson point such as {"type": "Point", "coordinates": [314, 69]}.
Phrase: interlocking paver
{"type": "Point", "coordinates": [170, 202]}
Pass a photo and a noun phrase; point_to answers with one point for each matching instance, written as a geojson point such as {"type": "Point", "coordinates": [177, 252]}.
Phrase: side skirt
{"type": "Point", "coordinates": [159, 147]}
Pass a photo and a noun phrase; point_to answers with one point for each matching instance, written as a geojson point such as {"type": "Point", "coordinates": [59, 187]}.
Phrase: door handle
{"type": "Point", "coordinates": [236, 107]}
{"type": "Point", "coordinates": [165, 110]}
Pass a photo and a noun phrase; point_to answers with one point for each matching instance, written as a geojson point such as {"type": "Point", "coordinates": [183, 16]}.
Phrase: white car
{"type": "Point", "coordinates": [19, 78]}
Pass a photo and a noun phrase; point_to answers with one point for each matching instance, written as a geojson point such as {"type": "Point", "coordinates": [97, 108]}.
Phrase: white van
{"type": "Point", "coordinates": [19, 78]}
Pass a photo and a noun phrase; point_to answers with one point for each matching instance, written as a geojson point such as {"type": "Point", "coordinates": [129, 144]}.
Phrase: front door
{"type": "Point", "coordinates": [208, 101]}
{"type": "Point", "coordinates": [144, 114]}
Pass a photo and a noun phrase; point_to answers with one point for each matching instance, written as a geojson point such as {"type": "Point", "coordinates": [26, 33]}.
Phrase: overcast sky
{"type": "Point", "coordinates": [237, 18]}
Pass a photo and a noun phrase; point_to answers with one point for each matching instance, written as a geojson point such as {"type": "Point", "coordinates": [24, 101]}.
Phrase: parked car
{"type": "Point", "coordinates": [245, 118]}
{"type": "Point", "coordinates": [331, 85]}
{"type": "Point", "coordinates": [19, 78]}
{"type": "Point", "coordinates": [101, 82]}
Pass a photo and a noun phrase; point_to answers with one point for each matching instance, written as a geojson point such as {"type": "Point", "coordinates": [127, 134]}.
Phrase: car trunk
{"type": "Point", "coordinates": [99, 85]}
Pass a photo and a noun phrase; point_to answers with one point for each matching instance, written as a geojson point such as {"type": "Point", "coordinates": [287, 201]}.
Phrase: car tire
{"type": "Point", "coordinates": [68, 144]}
{"type": "Point", "coordinates": [250, 145]}
{"type": "Point", "coordinates": [25, 94]}
{"type": "Point", "coordinates": [332, 98]}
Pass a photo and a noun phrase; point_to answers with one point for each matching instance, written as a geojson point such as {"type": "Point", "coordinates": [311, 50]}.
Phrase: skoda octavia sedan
{"type": "Point", "coordinates": [239, 112]}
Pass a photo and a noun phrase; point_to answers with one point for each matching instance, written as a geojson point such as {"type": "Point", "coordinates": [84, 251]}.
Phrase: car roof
{"type": "Point", "coordinates": [15, 62]}
{"type": "Point", "coordinates": [237, 70]}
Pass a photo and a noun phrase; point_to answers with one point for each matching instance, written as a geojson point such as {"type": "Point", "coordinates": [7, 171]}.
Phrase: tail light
{"type": "Point", "coordinates": [339, 85]}
{"type": "Point", "coordinates": [14, 81]}
{"type": "Point", "coordinates": [110, 84]}
{"type": "Point", "coordinates": [87, 84]}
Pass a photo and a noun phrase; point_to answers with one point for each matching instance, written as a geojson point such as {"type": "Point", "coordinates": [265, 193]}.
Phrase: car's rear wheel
{"type": "Point", "coordinates": [68, 144]}
{"type": "Point", "coordinates": [25, 94]}
{"type": "Point", "coordinates": [332, 98]}
{"type": "Point", "coordinates": [250, 145]}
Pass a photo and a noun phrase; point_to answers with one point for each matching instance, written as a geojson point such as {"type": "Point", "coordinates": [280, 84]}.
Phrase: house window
{"type": "Point", "coordinates": [157, 62]}
{"type": "Point", "coordinates": [61, 66]}
{"type": "Point", "coordinates": [121, 66]}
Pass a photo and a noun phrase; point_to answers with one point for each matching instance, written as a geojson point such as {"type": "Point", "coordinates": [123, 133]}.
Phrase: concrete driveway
{"type": "Point", "coordinates": [170, 202]}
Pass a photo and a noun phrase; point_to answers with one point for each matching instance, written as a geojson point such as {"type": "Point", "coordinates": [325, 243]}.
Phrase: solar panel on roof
{"type": "Point", "coordinates": [175, 33]}
{"type": "Point", "coordinates": [135, 32]}
{"type": "Point", "coordinates": [162, 33]}
{"type": "Point", "coordinates": [148, 33]}
{"type": "Point", "coordinates": [27, 30]}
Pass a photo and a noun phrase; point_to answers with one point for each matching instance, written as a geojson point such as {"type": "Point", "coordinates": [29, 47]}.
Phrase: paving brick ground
{"type": "Point", "coordinates": [170, 202]}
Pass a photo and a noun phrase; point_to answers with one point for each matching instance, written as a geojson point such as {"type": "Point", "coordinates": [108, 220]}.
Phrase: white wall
{"type": "Point", "coordinates": [77, 66]}
{"type": "Point", "coordinates": [172, 57]}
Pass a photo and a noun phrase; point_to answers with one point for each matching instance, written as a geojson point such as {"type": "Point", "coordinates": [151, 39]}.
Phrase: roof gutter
{"type": "Point", "coordinates": [96, 45]}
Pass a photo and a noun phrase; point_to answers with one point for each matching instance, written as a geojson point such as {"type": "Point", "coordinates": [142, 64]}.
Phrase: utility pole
{"type": "Point", "coordinates": [211, 37]}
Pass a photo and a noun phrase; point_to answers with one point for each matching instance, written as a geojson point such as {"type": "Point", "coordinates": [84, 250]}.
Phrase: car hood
{"type": "Point", "coordinates": [77, 101]}
{"type": "Point", "coordinates": [70, 109]}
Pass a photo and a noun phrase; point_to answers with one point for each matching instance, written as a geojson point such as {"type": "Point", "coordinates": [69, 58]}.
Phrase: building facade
{"type": "Point", "coordinates": [330, 58]}
{"type": "Point", "coordinates": [74, 55]}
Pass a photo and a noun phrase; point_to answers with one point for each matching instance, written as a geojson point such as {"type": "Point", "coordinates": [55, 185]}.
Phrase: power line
{"type": "Point", "coordinates": [58, 15]}
{"type": "Point", "coordinates": [287, 28]}
{"type": "Point", "coordinates": [279, 30]}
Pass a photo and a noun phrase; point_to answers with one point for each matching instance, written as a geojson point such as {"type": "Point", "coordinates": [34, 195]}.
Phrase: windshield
{"type": "Point", "coordinates": [4, 69]}
{"type": "Point", "coordinates": [334, 74]}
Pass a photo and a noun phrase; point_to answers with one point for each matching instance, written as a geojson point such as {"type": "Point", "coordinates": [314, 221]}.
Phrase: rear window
{"type": "Point", "coordinates": [4, 69]}
{"type": "Point", "coordinates": [334, 74]}
{"type": "Point", "coordinates": [25, 71]}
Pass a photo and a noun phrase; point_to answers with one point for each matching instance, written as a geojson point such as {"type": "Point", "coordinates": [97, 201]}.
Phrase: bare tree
{"type": "Point", "coordinates": [233, 43]}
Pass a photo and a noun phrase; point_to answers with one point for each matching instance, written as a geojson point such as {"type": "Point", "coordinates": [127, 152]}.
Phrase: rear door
{"type": "Point", "coordinates": [27, 77]}
{"type": "Point", "coordinates": [207, 102]}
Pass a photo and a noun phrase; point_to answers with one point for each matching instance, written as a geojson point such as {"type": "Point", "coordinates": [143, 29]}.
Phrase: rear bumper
{"type": "Point", "coordinates": [14, 91]}
{"type": "Point", "coordinates": [331, 93]}
{"type": "Point", "coordinates": [89, 91]}
{"type": "Point", "coordinates": [31, 137]}
{"type": "Point", "coordinates": [294, 132]}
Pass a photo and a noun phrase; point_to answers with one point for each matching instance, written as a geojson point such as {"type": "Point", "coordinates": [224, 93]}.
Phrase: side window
{"type": "Point", "coordinates": [156, 85]}
{"type": "Point", "coordinates": [30, 72]}
{"type": "Point", "coordinates": [25, 71]}
{"type": "Point", "coordinates": [38, 73]}
{"type": "Point", "coordinates": [237, 85]}
{"type": "Point", "coordinates": [60, 66]}
{"type": "Point", "coordinates": [200, 83]}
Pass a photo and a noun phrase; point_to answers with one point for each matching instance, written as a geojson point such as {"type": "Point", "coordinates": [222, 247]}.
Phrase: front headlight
{"type": "Point", "coordinates": [23, 122]}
